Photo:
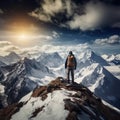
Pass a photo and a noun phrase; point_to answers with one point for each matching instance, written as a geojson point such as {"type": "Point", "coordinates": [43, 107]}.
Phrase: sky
{"type": "Point", "coordinates": [30, 23]}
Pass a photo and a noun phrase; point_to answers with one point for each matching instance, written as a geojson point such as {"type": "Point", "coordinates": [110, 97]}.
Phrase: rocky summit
{"type": "Point", "coordinates": [60, 101]}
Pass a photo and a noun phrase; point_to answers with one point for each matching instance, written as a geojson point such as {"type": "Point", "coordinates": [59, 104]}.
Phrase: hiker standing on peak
{"type": "Point", "coordinates": [70, 65]}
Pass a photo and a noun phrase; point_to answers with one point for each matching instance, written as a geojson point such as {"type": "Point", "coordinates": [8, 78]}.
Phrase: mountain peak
{"type": "Point", "coordinates": [58, 101]}
{"type": "Point", "coordinates": [50, 59]}
{"type": "Point", "coordinates": [10, 58]}
{"type": "Point", "coordinates": [96, 58]}
{"type": "Point", "coordinates": [14, 55]}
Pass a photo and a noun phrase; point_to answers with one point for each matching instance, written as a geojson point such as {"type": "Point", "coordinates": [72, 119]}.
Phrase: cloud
{"type": "Point", "coordinates": [55, 34]}
{"type": "Point", "coordinates": [50, 8]}
{"type": "Point", "coordinates": [96, 15]}
{"type": "Point", "coordinates": [90, 19]}
{"type": "Point", "coordinates": [36, 50]}
{"type": "Point", "coordinates": [1, 11]}
{"type": "Point", "coordinates": [32, 36]}
{"type": "Point", "coordinates": [40, 15]}
{"type": "Point", "coordinates": [6, 47]}
{"type": "Point", "coordinates": [8, 42]}
{"type": "Point", "coordinates": [116, 25]}
{"type": "Point", "coordinates": [11, 48]}
{"type": "Point", "coordinates": [41, 37]}
{"type": "Point", "coordinates": [91, 15]}
{"type": "Point", "coordinates": [4, 43]}
{"type": "Point", "coordinates": [114, 39]}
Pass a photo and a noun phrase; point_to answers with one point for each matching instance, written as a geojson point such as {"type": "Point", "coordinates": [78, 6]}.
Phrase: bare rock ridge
{"type": "Point", "coordinates": [80, 103]}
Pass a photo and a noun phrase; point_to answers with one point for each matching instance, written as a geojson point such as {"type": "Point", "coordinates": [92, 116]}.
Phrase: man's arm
{"type": "Point", "coordinates": [75, 62]}
{"type": "Point", "coordinates": [66, 62]}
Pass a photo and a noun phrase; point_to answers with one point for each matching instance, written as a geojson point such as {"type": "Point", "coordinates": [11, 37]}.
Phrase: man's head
{"type": "Point", "coordinates": [70, 53]}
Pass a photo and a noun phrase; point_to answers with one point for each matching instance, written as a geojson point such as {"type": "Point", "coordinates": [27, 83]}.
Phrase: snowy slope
{"type": "Point", "coordinates": [115, 70]}
{"type": "Point", "coordinates": [90, 57]}
{"type": "Point", "coordinates": [1, 89]}
{"type": "Point", "coordinates": [101, 82]}
{"type": "Point", "coordinates": [52, 104]}
{"type": "Point", "coordinates": [2, 64]}
{"type": "Point", "coordinates": [112, 59]}
{"type": "Point", "coordinates": [50, 59]}
{"type": "Point", "coordinates": [22, 77]}
{"type": "Point", "coordinates": [90, 75]}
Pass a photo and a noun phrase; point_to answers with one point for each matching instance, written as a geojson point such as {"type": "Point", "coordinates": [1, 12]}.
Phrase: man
{"type": "Point", "coordinates": [70, 64]}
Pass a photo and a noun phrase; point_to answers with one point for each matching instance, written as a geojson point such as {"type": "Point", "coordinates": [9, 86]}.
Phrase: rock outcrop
{"type": "Point", "coordinates": [79, 103]}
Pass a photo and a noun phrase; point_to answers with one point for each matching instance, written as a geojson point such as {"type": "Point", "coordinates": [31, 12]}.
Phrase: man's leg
{"type": "Point", "coordinates": [72, 75]}
{"type": "Point", "coordinates": [68, 75]}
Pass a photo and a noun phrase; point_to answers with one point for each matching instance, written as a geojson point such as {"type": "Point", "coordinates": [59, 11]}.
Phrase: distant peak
{"type": "Point", "coordinates": [13, 54]}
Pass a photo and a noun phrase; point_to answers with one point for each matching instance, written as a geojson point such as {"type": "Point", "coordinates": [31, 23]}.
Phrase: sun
{"type": "Point", "coordinates": [22, 36]}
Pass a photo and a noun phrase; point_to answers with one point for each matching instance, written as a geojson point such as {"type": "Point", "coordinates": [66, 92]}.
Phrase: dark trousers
{"type": "Point", "coordinates": [70, 71]}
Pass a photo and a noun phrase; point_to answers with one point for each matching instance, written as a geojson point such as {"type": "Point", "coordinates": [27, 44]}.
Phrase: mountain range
{"type": "Point", "coordinates": [20, 77]}
{"type": "Point", "coordinates": [10, 58]}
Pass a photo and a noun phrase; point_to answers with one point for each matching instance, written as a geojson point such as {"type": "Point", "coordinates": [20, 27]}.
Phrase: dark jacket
{"type": "Point", "coordinates": [75, 62]}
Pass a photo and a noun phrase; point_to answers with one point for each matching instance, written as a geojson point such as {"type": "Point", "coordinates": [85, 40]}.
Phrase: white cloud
{"type": "Point", "coordinates": [40, 15]}
{"type": "Point", "coordinates": [10, 45]}
{"type": "Point", "coordinates": [50, 8]}
{"type": "Point", "coordinates": [114, 39]}
{"type": "Point", "coordinates": [41, 37]}
{"type": "Point", "coordinates": [96, 15]}
{"type": "Point", "coordinates": [55, 34]}
{"type": "Point", "coordinates": [4, 43]}
{"type": "Point", "coordinates": [90, 16]}
{"type": "Point", "coordinates": [37, 50]}
{"type": "Point", "coordinates": [11, 48]}
{"type": "Point", "coordinates": [6, 47]}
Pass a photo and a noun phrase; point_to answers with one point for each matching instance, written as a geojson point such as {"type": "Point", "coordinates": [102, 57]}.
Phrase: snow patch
{"type": "Point", "coordinates": [53, 107]}
{"type": "Point", "coordinates": [2, 89]}
{"type": "Point", "coordinates": [115, 70]}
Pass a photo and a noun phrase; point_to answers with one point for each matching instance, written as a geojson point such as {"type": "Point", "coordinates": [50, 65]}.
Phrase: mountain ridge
{"type": "Point", "coordinates": [17, 81]}
{"type": "Point", "coordinates": [73, 103]}
{"type": "Point", "coordinates": [10, 58]}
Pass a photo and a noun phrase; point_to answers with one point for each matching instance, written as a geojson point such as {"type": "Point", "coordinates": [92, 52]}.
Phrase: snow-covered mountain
{"type": "Point", "coordinates": [88, 57]}
{"type": "Point", "coordinates": [11, 58]}
{"type": "Point", "coordinates": [56, 101]}
{"type": "Point", "coordinates": [114, 69]}
{"type": "Point", "coordinates": [29, 73]}
{"type": "Point", "coordinates": [50, 59]}
{"type": "Point", "coordinates": [20, 78]}
{"type": "Point", "coordinates": [101, 82]}
{"type": "Point", "coordinates": [2, 64]}
{"type": "Point", "coordinates": [112, 59]}
{"type": "Point", "coordinates": [91, 72]}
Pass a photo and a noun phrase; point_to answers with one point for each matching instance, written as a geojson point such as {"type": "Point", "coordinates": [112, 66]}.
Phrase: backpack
{"type": "Point", "coordinates": [70, 61]}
